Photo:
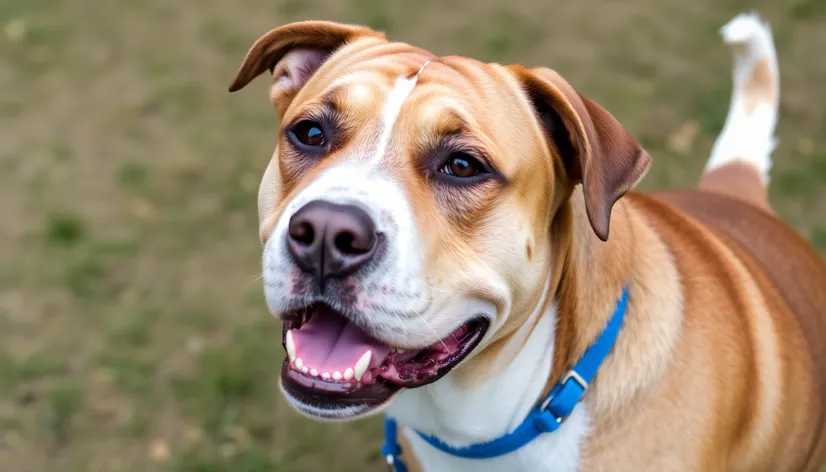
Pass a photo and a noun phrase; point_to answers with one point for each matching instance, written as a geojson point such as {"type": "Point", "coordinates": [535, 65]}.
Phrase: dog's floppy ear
{"type": "Point", "coordinates": [294, 52]}
{"type": "Point", "coordinates": [595, 149]}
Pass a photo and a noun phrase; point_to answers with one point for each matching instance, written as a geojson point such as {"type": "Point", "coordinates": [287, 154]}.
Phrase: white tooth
{"type": "Point", "coordinates": [336, 375]}
{"type": "Point", "coordinates": [290, 345]}
{"type": "Point", "coordinates": [304, 369]}
{"type": "Point", "coordinates": [299, 363]}
{"type": "Point", "coordinates": [362, 364]}
{"type": "Point", "coordinates": [348, 374]}
{"type": "Point", "coordinates": [325, 376]}
{"type": "Point", "coordinates": [314, 372]}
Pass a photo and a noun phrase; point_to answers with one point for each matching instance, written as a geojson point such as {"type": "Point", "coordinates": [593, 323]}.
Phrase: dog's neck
{"type": "Point", "coordinates": [586, 277]}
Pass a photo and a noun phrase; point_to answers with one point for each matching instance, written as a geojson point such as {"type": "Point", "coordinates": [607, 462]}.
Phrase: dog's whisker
{"type": "Point", "coordinates": [436, 289]}
{"type": "Point", "coordinates": [441, 340]}
{"type": "Point", "coordinates": [256, 279]}
{"type": "Point", "coordinates": [401, 321]}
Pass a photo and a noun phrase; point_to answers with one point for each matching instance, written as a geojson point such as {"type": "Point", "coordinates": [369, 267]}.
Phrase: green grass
{"type": "Point", "coordinates": [64, 229]}
{"type": "Point", "coordinates": [63, 403]}
{"type": "Point", "coordinates": [133, 331]}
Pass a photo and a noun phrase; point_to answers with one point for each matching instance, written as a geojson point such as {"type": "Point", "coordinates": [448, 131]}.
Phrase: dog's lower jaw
{"type": "Point", "coordinates": [463, 416]}
{"type": "Point", "coordinates": [341, 414]}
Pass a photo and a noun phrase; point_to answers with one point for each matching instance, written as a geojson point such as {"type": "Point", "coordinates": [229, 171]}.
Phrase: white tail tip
{"type": "Point", "coordinates": [748, 135]}
{"type": "Point", "coordinates": [747, 28]}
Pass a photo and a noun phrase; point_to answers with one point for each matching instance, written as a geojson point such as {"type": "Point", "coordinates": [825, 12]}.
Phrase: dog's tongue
{"type": "Point", "coordinates": [329, 343]}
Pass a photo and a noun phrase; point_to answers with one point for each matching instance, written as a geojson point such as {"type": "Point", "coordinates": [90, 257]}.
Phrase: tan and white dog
{"type": "Point", "coordinates": [436, 240]}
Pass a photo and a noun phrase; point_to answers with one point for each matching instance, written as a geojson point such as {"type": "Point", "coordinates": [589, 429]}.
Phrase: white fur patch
{"type": "Point", "coordinates": [463, 416]}
{"type": "Point", "coordinates": [748, 134]}
{"type": "Point", "coordinates": [390, 113]}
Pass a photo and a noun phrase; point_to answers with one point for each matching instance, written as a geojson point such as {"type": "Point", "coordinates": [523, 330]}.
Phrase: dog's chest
{"type": "Point", "coordinates": [554, 452]}
{"type": "Point", "coordinates": [490, 409]}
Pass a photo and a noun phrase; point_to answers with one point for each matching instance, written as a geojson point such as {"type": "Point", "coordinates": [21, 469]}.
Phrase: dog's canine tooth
{"type": "Point", "coordinates": [362, 364]}
{"type": "Point", "coordinates": [290, 342]}
{"type": "Point", "coordinates": [348, 374]}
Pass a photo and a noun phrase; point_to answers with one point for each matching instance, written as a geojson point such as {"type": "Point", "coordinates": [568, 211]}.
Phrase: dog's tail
{"type": "Point", "coordinates": [741, 157]}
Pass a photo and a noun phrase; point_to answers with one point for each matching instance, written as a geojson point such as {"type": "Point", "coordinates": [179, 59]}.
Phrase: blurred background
{"type": "Point", "coordinates": [133, 330]}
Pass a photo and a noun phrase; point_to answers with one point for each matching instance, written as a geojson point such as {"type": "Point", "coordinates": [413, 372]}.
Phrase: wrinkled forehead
{"type": "Point", "coordinates": [393, 88]}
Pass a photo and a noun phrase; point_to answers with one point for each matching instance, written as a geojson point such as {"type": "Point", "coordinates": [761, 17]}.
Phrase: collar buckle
{"type": "Point", "coordinates": [571, 375]}
{"type": "Point", "coordinates": [560, 403]}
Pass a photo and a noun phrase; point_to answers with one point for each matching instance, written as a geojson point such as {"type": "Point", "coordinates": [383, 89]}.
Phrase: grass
{"type": "Point", "coordinates": [133, 332]}
{"type": "Point", "coordinates": [62, 404]}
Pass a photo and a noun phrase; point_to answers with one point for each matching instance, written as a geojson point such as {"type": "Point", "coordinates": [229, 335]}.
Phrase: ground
{"type": "Point", "coordinates": [133, 331]}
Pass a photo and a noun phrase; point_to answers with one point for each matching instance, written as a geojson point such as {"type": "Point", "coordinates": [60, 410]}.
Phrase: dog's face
{"type": "Point", "coordinates": [406, 212]}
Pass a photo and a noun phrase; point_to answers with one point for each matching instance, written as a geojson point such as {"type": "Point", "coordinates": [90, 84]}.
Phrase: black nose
{"type": "Point", "coordinates": [331, 240]}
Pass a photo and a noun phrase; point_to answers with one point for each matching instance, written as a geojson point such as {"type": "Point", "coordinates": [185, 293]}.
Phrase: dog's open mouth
{"type": "Point", "coordinates": [332, 363]}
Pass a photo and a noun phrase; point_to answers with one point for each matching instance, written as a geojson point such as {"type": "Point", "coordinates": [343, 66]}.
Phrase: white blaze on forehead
{"type": "Point", "coordinates": [391, 110]}
{"type": "Point", "coordinates": [390, 113]}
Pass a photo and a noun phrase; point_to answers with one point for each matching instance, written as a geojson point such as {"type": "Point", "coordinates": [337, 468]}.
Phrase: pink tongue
{"type": "Point", "coordinates": [330, 343]}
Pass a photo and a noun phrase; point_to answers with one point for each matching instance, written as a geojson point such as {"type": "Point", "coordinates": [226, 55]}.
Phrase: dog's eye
{"type": "Point", "coordinates": [309, 133]}
{"type": "Point", "coordinates": [462, 165]}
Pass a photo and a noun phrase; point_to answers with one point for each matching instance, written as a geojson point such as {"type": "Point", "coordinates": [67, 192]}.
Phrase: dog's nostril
{"type": "Point", "coordinates": [303, 233]}
{"type": "Point", "coordinates": [353, 244]}
{"type": "Point", "coordinates": [344, 242]}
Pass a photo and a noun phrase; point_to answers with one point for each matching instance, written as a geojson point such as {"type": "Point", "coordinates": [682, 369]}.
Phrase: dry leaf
{"type": "Point", "coordinates": [142, 209]}
{"type": "Point", "coordinates": [682, 140]}
{"type": "Point", "coordinates": [193, 435]}
{"type": "Point", "coordinates": [159, 451]}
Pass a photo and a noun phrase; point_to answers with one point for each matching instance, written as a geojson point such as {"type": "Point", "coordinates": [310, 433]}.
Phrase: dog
{"type": "Point", "coordinates": [446, 241]}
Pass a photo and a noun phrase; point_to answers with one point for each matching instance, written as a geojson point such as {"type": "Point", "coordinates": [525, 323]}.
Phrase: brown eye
{"type": "Point", "coordinates": [309, 134]}
{"type": "Point", "coordinates": [462, 166]}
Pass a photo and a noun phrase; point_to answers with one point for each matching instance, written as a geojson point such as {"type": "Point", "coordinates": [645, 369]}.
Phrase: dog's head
{"type": "Point", "coordinates": [406, 213]}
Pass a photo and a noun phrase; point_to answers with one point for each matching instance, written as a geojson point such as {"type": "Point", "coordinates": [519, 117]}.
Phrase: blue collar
{"type": "Point", "coordinates": [545, 418]}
